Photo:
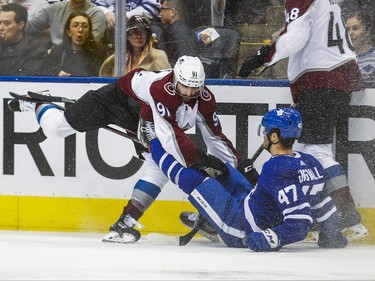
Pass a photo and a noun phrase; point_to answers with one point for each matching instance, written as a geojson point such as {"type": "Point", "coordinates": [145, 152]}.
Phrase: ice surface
{"type": "Point", "coordinates": [82, 256]}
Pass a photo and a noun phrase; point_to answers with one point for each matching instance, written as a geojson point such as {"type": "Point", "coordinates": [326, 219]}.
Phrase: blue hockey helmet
{"type": "Point", "coordinates": [287, 120]}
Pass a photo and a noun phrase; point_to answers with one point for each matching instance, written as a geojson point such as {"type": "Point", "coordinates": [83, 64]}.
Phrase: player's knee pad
{"type": "Point", "coordinates": [336, 178]}
{"type": "Point", "coordinates": [145, 193]}
{"type": "Point", "coordinates": [53, 122]}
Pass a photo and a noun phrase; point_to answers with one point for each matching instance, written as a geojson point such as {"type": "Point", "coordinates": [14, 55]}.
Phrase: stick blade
{"type": "Point", "coordinates": [163, 239]}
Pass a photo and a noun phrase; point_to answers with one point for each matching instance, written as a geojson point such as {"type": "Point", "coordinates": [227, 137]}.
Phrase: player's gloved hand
{"type": "Point", "coordinates": [246, 168]}
{"type": "Point", "coordinates": [254, 61]}
{"type": "Point", "coordinates": [211, 166]}
{"type": "Point", "coordinates": [265, 241]}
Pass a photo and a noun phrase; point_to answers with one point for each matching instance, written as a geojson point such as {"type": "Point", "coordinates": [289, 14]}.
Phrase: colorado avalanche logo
{"type": "Point", "coordinates": [206, 96]}
{"type": "Point", "coordinates": [168, 87]}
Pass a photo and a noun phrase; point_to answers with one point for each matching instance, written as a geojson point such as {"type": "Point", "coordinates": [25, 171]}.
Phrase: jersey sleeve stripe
{"type": "Point", "coordinates": [299, 217]}
{"type": "Point", "coordinates": [326, 215]}
{"type": "Point", "coordinates": [299, 207]}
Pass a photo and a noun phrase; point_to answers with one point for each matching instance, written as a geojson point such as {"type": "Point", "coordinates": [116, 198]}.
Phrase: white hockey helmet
{"type": "Point", "coordinates": [189, 72]}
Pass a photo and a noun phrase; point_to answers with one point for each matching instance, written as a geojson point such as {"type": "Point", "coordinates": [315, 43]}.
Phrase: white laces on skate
{"type": "Point", "coordinates": [193, 217]}
{"type": "Point", "coordinates": [26, 106]}
{"type": "Point", "coordinates": [131, 222]}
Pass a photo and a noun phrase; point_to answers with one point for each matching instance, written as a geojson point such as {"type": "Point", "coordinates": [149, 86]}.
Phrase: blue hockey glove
{"type": "Point", "coordinates": [265, 241]}
{"type": "Point", "coordinates": [246, 168]}
{"type": "Point", "coordinates": [254, 61]}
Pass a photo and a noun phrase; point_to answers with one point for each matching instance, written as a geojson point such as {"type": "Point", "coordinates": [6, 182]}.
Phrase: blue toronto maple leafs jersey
{"type": "Point", "coordinates": [288, 195]}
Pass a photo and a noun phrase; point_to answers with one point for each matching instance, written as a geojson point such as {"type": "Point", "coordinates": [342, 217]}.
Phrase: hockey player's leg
{"type": "Point", "coordinates": [144, 194]}
{"type": "Point", "coordinates": [221, 210]}
{"type": "Point", "coordinates": [53, 122]}
{"type": "Point", "coordinates": [237, 185]}
{"type": "Point", "coordinates": [337, 186]}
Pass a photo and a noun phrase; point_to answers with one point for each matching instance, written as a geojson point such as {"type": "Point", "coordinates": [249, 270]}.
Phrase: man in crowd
{"type": "Point", "coordinates": [178, 38]}
{"type": "Point", "coordinates": [20, 54]}
{"type": "Point", "coordinates": [53, 18]}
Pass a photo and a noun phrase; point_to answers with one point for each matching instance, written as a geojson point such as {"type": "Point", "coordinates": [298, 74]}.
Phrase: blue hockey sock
{"type": "Point", "coordinates": [186, 178]}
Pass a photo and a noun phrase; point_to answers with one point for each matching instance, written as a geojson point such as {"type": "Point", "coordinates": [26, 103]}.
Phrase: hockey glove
{"type": "Point", "coordinates": [254, 61]}
{"type": "Point", "coordinates": [265, 241]}
{"type": "Point", "coordinates": [246, 168]}
{"type": "Point", "coordinates": [211, 166]}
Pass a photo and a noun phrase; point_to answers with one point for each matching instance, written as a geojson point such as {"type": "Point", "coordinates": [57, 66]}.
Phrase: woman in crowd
{"type": "Point", "coordinates": [79, 54]}
{"type": "Point", "coordinates": [361, 30]}
{"type": "Point", "coordinates": [140, 52]}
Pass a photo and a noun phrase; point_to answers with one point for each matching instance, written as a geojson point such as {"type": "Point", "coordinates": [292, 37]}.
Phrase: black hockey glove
{"type": "Point", "coordinates": [246, 168]}
{"type": "Point", "coordinates": [211, 166]}
{"type": "Point", "coordinates": [254, 61]}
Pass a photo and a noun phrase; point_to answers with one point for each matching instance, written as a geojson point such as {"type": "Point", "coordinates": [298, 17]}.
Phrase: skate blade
{"type": "Point", "coordinates": [114, 237]}
{"type": "Point", "coordinates": [355, 232]}
{"type": "Point", "coordinates": [312, 237]}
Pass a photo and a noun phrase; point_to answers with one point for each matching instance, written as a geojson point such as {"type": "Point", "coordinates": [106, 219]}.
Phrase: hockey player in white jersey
{"type": "Point", "coordinates": [174, 101]}
{"type": "Point", "coordinates": [323, 73]}
{"type": "Point", "coordinates": [280, 209]}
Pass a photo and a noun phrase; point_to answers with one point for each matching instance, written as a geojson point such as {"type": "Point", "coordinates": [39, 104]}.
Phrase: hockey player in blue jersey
{"type": "Point", "coordinates": [280, 209]}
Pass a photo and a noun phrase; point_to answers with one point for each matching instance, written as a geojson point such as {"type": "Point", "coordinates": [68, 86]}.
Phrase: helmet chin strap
{"type": "Point", "coordinates": [270, 143]}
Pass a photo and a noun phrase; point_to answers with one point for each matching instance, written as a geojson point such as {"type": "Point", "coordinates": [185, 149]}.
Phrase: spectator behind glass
{"type": "Point", "coordinates": [20, 54]}
{"type": "Point", "coordinates": [362, 34]}
{"type": "Point", "coordinates": [178, 39]}
{"type": "Point", "coordinates": [140, 52]}
{"type": "Point", "coordinates": [149, 9]}
{"type": "Point", "coordinates": [32, 6]}
{"type": "Point", "coordinates": [79, 54]}
{"type": "Point", "coordinates": [55, 15]}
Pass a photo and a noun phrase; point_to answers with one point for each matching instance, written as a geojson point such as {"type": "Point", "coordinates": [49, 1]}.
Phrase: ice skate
{"type": "Point", "coordinates": [122, 231]}
{"type": "Point", "coordinates": [190, 219]}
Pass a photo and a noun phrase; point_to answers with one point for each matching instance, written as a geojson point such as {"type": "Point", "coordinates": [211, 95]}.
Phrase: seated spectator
{"type": "Point", "coordinates": [20, 54]}
{"type": "Point", "coordinates": [149, 9]}
{"type": "Point", "coordinates": [178, 39]}
{"type": "Point", "coordinates": [55, 15]}
{"type": "Point", "coordinates": [362, 33]}
{"type": "Point", "coordinates": [140, 53]}
{"type": "Point", "coordinates": [32, 6]}
{"type": "Point", "coordinates": [79, 54]}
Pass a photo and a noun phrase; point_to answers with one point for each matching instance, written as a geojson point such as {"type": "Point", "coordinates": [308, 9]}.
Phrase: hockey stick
{"type": "Point", "coordinates": [127, 134]}
{"type": "Point", "coordinates": [48, 98]}
{"type": "Point", "coordinates": [163, 239]}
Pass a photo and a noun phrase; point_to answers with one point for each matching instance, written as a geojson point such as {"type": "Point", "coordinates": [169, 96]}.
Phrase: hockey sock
{"type": "Point", "coordinates": [187, 179]}
{"type": "Point", "coordinates": [134, 209]}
